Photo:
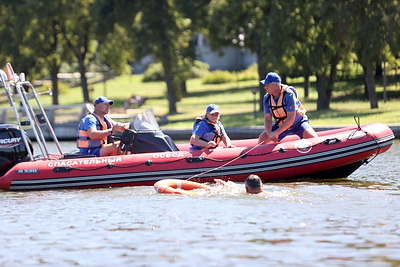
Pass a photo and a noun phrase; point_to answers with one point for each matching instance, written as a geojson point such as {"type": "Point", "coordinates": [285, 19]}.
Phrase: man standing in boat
{"type": "Point", "coordinates": [96, 128]}
{"type": "Point", "coordinates": [282, 102]}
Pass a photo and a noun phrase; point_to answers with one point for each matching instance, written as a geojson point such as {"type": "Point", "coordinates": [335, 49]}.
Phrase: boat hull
{"type": "Point", "coordinates": [334, 154]}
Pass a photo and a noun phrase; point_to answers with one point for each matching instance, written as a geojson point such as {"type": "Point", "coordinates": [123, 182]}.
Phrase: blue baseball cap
{"type": "Point", "coordinates": [103, 99]}
{"type": "Point", "coordinates": [212, 108]}
{"type": "Point", "coordinates": [271, 77]}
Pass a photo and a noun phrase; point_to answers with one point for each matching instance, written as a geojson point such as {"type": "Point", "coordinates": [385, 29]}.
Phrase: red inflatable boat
{"type": "Point", "coordinates": [152, 156]}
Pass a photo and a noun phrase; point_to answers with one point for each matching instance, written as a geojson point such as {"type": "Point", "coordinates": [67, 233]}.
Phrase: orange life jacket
{"type": "Point", "coordinates": [278, 108]}
{"type": "Point", "coordinates": [83, 137]}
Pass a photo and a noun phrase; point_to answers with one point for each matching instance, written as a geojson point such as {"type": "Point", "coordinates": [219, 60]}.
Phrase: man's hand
{"type": "Point", "coordinates": [117, 128]}
{"type": "Point", "coordinates": [211, 144]}
{"type": "Point", "coordinates": [274, 136]}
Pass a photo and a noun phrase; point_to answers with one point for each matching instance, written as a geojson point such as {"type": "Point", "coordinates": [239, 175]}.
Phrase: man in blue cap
{"type": "Point", "coordinates": [208, 131]}
{"type": "Point", "coordinates": [282, 103]}
{"type": "Point", "coordinates": [96, 128]}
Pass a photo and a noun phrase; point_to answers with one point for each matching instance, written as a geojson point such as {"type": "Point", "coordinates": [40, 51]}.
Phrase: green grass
{"type": "Point", "coordinates": [236, 101]}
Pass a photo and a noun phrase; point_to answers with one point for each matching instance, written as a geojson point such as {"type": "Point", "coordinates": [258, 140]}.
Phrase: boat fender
{"type": "Point", "coordinates": [195, 159]}
{"type": "Point", "coordinates": [331, 141]}
{"type": "Point", "coordinates": [181, 187]}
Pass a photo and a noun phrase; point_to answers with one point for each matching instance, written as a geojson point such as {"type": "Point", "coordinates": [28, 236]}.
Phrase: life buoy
{"type": "Point", "coordinates": [176, 186]}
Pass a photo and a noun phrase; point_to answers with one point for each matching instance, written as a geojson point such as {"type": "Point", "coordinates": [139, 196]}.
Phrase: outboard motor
{"type": "Point", "coordinates": [146, 142]}
{"type": "Point", "coordinates": [12, 147]}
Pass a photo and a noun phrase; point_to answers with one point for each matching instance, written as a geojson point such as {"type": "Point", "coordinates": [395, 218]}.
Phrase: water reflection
{"type": "Point", "coordinates": [341, 222]}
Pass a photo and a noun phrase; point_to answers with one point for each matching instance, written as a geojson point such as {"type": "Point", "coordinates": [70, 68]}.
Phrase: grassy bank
{"type": "Point", "coordinates": [236, 101]}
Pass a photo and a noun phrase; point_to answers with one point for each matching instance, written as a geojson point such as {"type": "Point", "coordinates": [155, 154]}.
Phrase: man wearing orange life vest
{"type": "Point", "coordinates": [281, 102]}
{"type": "Point", "coordinates": [95, 131]}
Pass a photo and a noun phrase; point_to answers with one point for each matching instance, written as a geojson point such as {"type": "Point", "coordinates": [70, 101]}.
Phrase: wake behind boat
{"type": "Point", "coordinates": [150, 155]}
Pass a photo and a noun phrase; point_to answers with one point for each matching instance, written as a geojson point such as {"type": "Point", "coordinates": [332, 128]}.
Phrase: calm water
{"type": "Point", "coordinates": [348, 222]}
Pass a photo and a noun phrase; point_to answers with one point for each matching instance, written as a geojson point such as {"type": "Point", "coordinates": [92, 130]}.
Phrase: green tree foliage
{"type": "Point", "coordinates": [293, 38]}
{"type": "Point", "coordinates": [228, 19]}
{"type": "Point", "coordinates": [114, 47]}
{"type": "Point", "coordinates": [115, 50]}
{"type": "Point", "coordinates": [167, 32]}
{"type": "Point", "coordinates": [6, 16]}
{"type": "Point", "coordinates": [157, 28]}
{"type": "Point", "coordinates": [77, 28]}
{"type": "Point", "coordinates": [373, 21]}
{"type": "Point", "coordinates": [14, 36]}
{"type": "Point", "coordinates": [306, 37]}
{"type": "Point", "coordinates": [44, 39]}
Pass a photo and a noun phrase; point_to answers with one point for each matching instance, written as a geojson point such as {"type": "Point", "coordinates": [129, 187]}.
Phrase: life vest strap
{"type": "Point", "coordinates": [278, 108]}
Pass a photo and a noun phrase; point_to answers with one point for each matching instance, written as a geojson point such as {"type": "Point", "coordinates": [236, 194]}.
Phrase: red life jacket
{"type": "Point", "coordinates": [83, 137]}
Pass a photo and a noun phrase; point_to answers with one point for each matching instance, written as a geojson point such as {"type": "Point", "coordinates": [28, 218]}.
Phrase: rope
{"type": "Point", "coordinates": [357, 120]}
{"type": "Point", "coordinates": [227, 163]}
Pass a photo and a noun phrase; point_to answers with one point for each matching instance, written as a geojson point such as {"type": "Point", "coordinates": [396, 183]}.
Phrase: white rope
{"type": "Point", "coordinates": [227, 163]}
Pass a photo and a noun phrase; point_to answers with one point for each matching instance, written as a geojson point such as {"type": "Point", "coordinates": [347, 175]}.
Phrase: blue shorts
{"type": "Point", "coordinates": [90, 151]}
{"type": "Point", "coordinates": [297, 129]}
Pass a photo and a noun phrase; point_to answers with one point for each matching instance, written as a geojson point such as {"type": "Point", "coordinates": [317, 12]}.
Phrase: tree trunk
{"type": "Point", "coordinates": [54, 66]}
{"type": "Point", "coordinates": [378, 70]}
{"type": "Point", "coordinates": [306, 86]}
{"type": "Point", "coordinates": [54, 81]}
{"type": "Point", "coordinates": [261, 70]}
{"type": "Point", "coordinates": [332, 77]}
{"type": "Point", "coordinates": [370, 82]}
{"type": "Point", "coordinates": [365, 82]}
{"type": "Point", "coordinates": [80, 50]}
{"type": "Point", "coordinates": [322, 84]}
{"type": "Point", "coordinates": [169, 80]}
{"type": "Point", "coordinates": [183, 86]}
{"type": "Point", "coordinates": [283, 78]}
{"type": "Point", "coordinates": [84, 85]}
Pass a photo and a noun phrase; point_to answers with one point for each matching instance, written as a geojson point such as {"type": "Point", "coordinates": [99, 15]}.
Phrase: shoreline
{"type": "Point", "coordinates": [68, 131]}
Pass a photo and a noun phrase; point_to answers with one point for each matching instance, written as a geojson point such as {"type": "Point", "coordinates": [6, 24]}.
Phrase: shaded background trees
{"type": "Point", "coordinates": [296, 38]}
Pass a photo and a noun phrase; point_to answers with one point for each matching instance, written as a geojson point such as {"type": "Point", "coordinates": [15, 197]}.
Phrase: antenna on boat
{"type": "Point", "coordinates": [36, 119]}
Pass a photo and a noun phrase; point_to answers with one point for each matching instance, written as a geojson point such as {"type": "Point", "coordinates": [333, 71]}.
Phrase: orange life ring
{"type": "Point", "coordinates": [176, 186]}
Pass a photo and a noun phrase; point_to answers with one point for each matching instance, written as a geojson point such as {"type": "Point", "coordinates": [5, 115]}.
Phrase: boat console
{"type": "Point", "coordinates": [145, 136]}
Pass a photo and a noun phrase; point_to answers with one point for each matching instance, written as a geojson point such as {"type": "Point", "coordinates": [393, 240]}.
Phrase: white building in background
{"type": "Point", "coordinates": [232, 58]}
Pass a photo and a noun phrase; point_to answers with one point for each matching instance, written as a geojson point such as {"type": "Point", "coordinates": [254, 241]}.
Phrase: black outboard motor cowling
{"type": "Point", "coordinates": [146, 142]}
{"type": "Point", "coordinates": [12, 147]}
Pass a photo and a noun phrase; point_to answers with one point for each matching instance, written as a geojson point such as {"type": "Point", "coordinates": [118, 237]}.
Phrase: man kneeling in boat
{"type": "Point", "coordinates": [208, 131]}
{"type": "Point", "coordinates": [281, 102]}
{"type": "Point", "coordinates": [95, 131]}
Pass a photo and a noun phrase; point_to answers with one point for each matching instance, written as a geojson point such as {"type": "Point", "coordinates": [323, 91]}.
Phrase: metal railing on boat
{"type": "Point", "coordinates": [26, 115]}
